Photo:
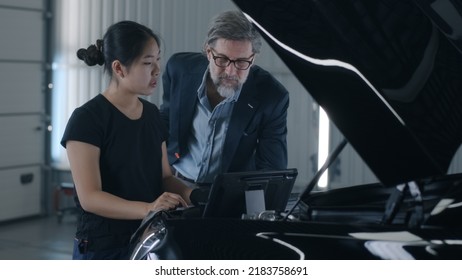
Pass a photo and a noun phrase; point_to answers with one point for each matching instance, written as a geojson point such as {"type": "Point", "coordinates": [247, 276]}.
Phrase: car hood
{"type": "Point", "coordinates": [230, 239]}
{"type": "Point", "coordinates": [387, 73]}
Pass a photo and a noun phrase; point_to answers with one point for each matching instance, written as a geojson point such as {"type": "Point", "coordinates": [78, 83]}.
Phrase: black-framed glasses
{"type": "Point", "coordinates": [223, 61]}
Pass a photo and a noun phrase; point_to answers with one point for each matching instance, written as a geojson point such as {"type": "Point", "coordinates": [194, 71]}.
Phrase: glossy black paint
{"type": "Point", "coordinates": [232, 239]}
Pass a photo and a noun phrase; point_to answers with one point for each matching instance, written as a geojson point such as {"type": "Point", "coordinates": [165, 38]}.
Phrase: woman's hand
{"type": "Point", "coordinates": [167, 201]}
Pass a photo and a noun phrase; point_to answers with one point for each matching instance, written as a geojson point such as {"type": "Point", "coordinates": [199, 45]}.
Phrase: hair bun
{"type": "Point", "coordinates": [91, 56]}
{"type": "Point", "coordinates": [81, 54]}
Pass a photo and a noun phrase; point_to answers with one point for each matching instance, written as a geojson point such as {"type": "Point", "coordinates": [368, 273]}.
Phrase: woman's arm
{"type": "Point", "coordinates": [84, 163]}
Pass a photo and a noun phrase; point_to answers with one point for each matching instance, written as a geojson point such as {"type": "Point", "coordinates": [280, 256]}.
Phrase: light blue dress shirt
{"type": "Point", "coordinates": [207, 137]}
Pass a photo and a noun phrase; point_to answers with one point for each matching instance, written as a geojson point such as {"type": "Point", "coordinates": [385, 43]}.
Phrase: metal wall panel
{"type": "Point", "coordinates": [28, 4]}
{"type": "Point", "coordinates": [20, 192]}
{"type": "Point", "coordinates": [22, 107]}
{"type": "Point", "coordinates": [21, 139]}
{"type": "Point", "coordinates": [20, 89]}
{"type": "Point", "coordinates": [22, 35]}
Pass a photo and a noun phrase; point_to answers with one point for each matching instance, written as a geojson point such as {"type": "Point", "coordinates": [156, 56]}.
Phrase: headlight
{"type": "Point", "coordinates": [152, 238]}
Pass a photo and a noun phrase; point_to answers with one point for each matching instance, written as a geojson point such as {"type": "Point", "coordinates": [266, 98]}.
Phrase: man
{"type": "Point", "coordinates": [224, 113]}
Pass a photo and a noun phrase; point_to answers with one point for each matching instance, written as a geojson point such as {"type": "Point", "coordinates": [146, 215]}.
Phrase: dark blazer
{"type": "Point", "coordinates": [256, 137]}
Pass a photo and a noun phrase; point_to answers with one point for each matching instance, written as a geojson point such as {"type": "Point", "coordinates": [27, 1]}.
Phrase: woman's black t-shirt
{"type": "Point", "coordinates": [130, 163]}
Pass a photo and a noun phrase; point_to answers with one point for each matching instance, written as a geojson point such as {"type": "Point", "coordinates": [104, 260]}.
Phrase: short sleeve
{"type": "Point", "coordinates": [83, 126]}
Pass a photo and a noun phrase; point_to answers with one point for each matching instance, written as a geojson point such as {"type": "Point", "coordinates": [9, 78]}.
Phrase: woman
{"type": "Point", "coordinates": [116, 146]}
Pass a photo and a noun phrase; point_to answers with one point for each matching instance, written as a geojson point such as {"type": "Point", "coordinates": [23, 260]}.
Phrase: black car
{"type": "Point", "coordinates": [389, 75]}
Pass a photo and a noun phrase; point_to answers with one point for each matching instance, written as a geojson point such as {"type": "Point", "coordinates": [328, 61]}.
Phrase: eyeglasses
{"type": "Point", "coordinates": [223, 61]}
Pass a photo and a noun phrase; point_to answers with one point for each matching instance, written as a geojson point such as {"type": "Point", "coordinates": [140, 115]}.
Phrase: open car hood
{"type": "Point", "coordinates": [388, 74]}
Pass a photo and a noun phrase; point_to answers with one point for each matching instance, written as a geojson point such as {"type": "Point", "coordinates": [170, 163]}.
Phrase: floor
{"type": "Point", "coordinates": [37, 238]}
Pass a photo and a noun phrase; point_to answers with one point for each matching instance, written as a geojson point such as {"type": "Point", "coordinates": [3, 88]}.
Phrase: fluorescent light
{"type": "Point", "coordinates": [323, 145]}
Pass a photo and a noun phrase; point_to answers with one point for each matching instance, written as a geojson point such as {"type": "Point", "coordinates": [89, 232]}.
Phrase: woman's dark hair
{"type": "Point", "coordinates": [123, 41]}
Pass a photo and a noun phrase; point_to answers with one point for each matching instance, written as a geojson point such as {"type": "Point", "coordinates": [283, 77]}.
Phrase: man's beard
{"type": "Point", "coordinates": [226, 91]}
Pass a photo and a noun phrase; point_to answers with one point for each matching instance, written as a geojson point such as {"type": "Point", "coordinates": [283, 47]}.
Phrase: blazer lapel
{"type": "Point", "coordinates": [243, 111]}
{"type": "Point", "coordinates": [188, 100]}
